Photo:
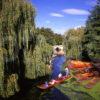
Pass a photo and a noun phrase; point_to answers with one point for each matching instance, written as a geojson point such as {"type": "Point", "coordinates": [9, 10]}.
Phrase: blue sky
{"type": "Point", "coordinates": [61, 15]}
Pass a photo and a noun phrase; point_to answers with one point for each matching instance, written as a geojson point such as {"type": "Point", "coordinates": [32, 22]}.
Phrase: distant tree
{"type": "Point", "coordinates": [73, 42]}
{"type": "Point", "coordinates": [51, 37]}
{"type": "Point", "coordinates": [92, 35]}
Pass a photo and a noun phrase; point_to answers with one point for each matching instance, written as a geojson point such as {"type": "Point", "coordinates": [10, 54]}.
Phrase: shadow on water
{"type": "Point", "coordinates": [54, 94]}
{"type": "Point", "coordinates": [29, 91]}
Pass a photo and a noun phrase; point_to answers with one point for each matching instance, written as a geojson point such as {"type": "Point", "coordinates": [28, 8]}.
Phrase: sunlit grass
{"type": "Point", "coordinates": [75, 90]}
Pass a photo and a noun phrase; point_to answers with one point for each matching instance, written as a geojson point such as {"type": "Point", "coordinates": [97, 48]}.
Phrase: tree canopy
{"type": "Point", "coordinates": [73, 42]}
{"type": "Point", "coordinates": [91, 39]}
{"type": "Point", "coordinates": [16, 28]}
{"type": "Point", "coordinates": [51, 37]}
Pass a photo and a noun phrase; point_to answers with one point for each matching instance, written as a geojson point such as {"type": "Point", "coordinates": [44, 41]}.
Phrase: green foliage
{"type": "Point", "coordinates": [72, 42]}
{"type": "Point", "coordinates": [11, 85]}
{"type": "Point", "coordinates": [92, 35]}
{"type": "Point", "coordinates": [51, 37]}
{"type": "Point", "coordinates": [76, 91]}
{"type": "Point", "coordinates": [16, 27]}
{"type": "Point", "coordinates": [22, 52]}
{"type": "Point", "coordinates": [37, 61]}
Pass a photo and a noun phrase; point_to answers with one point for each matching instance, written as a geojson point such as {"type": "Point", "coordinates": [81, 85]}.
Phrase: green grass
{"type": "Point", "coordinates": [94, 92]}
{"type": "Point", "coordinates": [77, 91]}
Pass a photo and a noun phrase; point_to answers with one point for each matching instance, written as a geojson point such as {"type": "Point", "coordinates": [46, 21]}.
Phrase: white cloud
{"type": "Point", "coordinates": [56, 15]}
{"type": "Point", "coordinates": [74, 11]}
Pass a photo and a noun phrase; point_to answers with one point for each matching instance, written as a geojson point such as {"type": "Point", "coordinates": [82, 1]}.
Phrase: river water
{"type": "Point", "coordinates": [29, 91]}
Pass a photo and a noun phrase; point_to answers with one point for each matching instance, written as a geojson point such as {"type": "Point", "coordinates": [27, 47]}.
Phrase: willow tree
{"type": "Point", "coordinates": [37, 61]}
{"type": "Point", "coordinates": [16, 37]}
{"type": "Point", "coordinates": [73, 42]}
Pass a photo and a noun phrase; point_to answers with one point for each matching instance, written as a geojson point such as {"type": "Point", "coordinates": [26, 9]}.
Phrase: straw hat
{"type": "Point", "coordinates": [58, 50]}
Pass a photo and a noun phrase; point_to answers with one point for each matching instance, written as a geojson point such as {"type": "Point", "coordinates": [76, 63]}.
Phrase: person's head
{"type": "Point", "coordinates": [58, 50]}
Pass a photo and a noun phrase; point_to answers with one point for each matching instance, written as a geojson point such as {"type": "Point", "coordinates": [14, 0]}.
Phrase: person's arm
{"type": "Point", "coordinates": [51, 62]}
{"type": "Point", "coordinates": [49, 65]}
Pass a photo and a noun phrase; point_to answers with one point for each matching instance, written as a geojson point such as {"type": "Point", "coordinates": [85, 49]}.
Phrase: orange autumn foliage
{"type": "Point", "coordinates": [79, 64]}
{"type": "Point", "coordinates": [84, 76]}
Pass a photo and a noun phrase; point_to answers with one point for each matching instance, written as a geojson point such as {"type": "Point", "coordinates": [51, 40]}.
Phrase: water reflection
{"type": "Point", "coordinates": [54, 94]}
